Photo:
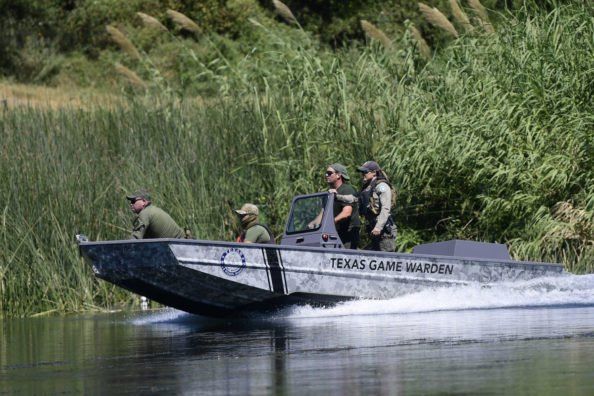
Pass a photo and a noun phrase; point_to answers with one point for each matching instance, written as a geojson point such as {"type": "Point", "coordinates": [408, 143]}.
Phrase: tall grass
{"type": "Point", "coordinates": [490, 140]}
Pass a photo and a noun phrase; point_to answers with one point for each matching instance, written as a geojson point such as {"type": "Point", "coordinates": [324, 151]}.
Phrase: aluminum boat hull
{"type": "Point", "coordinates": [224, 278]}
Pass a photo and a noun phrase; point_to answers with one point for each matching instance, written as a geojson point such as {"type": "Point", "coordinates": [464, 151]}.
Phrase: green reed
{"type": "Point", "coordinates": [492, 140]}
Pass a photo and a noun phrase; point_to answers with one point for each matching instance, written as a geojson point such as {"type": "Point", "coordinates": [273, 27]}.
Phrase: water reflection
{"type": "Point", "coordinates": [472, 351]}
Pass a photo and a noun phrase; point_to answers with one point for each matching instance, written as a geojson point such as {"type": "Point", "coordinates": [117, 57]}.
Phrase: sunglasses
{"type": "Point", "coordinates": [329, 173]}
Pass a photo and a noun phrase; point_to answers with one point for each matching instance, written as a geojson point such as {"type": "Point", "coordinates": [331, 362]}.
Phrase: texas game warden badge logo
{"type": "Point", "coordinates": [232, 262]}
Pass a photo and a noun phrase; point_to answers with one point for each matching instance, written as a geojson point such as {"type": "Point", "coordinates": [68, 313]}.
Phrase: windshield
{"type": "Point", "coordinates": [307, 214]}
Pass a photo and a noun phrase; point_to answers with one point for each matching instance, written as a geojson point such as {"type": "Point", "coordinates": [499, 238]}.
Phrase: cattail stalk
{"type": "Point", "coordinates": [481, 12]}
{"type": "Point", "coordinates": [460, 16]}
{"type": "Point", "coordinates": [124, 43]}
{"type": "Point", "coordinates": [285, 12]}
{"type": "Point", "coordinates": [436, 18]}
{"type": "Point", "coordinates": [422, 45]}
{"type": "Point", "coordinates": [374, 33]}
{"type": "Point", "coordinates": [151, 22]}
{"type": "Point", "coordinates": [183, 21]}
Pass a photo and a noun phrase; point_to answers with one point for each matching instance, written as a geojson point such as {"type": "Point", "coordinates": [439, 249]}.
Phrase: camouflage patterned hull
{"type": "Point", "coordinates": [220, 279]}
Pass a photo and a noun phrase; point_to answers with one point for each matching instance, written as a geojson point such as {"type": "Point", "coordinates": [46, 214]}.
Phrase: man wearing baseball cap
{"type": "Point", "coordinates": [252, 230]}
{"type": "Point", "coordinates": [151, 221]}
{"type": "Point", "coordinates": [346, 214]}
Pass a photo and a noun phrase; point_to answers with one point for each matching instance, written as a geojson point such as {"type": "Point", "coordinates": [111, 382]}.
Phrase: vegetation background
{"type": "Point", "coordinates": [481, 113]}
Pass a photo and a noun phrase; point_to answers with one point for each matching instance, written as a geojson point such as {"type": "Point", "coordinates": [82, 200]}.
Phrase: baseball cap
{"type": "Point", "coordinates": [247, 208]}
{"type": "Point", "coordinates": [139, 194]}
{"type": "Point", "coordinates": [341, 169]}
{"type": "Point", "coordinates": [369, 166]}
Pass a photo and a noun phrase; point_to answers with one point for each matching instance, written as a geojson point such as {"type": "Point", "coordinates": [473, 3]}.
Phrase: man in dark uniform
{"type": "Point", "coordinates": [151, 221]}
{"type": "Point", "coordinates": [346, 214]}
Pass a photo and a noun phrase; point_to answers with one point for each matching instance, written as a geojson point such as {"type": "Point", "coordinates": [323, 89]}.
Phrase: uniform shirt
{"type": "Point", "coordinates": [153, 222]}
{"type": "Point", "coordinates": [353, 222]}
{"type": "Point", "coordinates": [257, 234]}
{"type": "Point", "coordinates": [382, 201]}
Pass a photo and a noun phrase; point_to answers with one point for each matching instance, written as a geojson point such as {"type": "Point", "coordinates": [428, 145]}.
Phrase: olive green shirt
{"type": "Point", "coordinates": [257, 234]}
{"type": "Point", "coordinates": [153, 222]}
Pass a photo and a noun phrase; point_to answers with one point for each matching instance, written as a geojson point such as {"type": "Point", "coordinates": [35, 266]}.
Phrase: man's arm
{"type": "Point", "coordinates": [139, 227]}
{"type": "Point", "coordinates": [345, 213]}
{"type": "Point", "coordinates": [317, 221]}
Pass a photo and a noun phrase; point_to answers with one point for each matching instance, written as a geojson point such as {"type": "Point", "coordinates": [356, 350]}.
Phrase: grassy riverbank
{"type": "Point", "coordinates": [492, 139]}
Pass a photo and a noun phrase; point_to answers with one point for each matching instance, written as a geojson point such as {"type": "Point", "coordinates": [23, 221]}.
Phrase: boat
{"type": "Point", "coordinates": [309, 266]}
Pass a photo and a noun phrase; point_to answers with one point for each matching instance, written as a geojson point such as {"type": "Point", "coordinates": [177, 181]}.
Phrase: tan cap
{"type": "Point", "coordinates": [247, 208]}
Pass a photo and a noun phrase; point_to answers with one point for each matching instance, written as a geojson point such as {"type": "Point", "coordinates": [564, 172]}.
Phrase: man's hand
{"type": "Point", "coordinates": [312, 224]}
{"type": "Point", "coordinates": [376, 232]}
{"type": "Point", "coordinates": [332, 191]}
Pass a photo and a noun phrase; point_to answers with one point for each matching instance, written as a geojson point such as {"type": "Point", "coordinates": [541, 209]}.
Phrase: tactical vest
{"type": "Point", "coordinates": [367, 203]}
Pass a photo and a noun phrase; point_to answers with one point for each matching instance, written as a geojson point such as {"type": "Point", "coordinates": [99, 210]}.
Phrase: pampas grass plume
{"type": "Point", "coordinates": [183, 21]}
{"type": "Point", "coordinates": [151, 22]}
{"type": "Point", "coordinates": [460, 16]}
{"type": "Point", "coordinates": [436, 18]}
{"type": "Point", "coordinates": [375, 33]}
{"type": "Point", "coordinates": [421, 43]}
{"type": "Point", "coordinates": [285, 12]}
{"type": "Point", "coordinates": [130, 76]}
{"type": "Point", "coordinates": [482, 14]}
{"type": "Point", "coordinates": [120, 39]}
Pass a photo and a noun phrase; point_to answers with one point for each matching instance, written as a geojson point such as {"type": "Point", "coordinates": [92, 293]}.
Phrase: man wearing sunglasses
{"type": "Point", "coordinates": [151, 221]}
{"type": "Point", "coordinates": [346, 214]}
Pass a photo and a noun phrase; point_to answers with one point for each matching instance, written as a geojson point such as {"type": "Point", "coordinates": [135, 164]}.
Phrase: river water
{"type": "Point", "coordinates": [532, 337]}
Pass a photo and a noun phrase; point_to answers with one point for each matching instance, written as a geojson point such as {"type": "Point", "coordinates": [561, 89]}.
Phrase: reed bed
{"type": "Point", "coordinates": [491, 140]}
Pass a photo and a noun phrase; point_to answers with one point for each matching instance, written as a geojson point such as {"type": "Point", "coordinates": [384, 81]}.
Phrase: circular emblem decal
{"type": "Point", "coordinates": [232, 262]}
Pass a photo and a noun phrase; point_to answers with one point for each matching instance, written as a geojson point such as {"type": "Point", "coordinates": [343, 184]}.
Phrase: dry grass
{"type": "Point", "coordinates": [374, 33]}
{"type": "Point", "coordinates": [122, 41]}
{"type": "Point", "coordinates": [437, 19]}
{"type": "Point", "coordinates": [151, 22]}
{"type": "Point", "coordinates": [20, 95]}
{"type": "Point", "coordinates": [285, 12]}
{"type": "Point", "coordinates": [183, 21]}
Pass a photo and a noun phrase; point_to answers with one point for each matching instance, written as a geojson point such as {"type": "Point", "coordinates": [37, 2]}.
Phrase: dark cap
{"type": "Point", "coordinates": [369, 166]}
{"type": "Point", "coordinates": [340, 169]}
{"type": "Point", "coordinates": [139, 194]}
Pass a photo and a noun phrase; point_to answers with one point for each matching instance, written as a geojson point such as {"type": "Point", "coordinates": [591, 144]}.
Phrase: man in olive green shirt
{"type": "Point", "coordinates": [151, 221]}
{"type": "Point", "coordinates": [252, 231]}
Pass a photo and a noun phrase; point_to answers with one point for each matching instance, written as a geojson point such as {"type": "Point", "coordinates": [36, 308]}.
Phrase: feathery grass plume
{"type": "Point", "coordinates": [130, 76]}
{"type": "Point", "coordinates": [482, 14]}
{"type": "Point", "coordinates": [151, 22]}
{"type": "Point", "coordinates": [183, 21]}
{"type": "Point", "coordinates": [375, 33]}
{"type": "Point", "coordinates": [285, 12]}
{"type": "Point", "coordinates": [255, 22]}
{"type": "Point", "coordinates": [460, 16]}
{"type": "Point", "coordinates": [421, 43]}
{"type": "Point", "coordinates": [120, 39]}
{"type": "Point", "coordinates": [436, 18]}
